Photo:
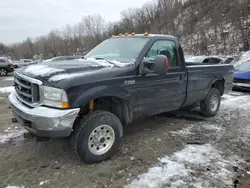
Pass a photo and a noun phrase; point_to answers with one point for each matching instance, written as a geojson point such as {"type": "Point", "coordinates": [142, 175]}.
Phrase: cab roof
{"type": "Point", "coordinates": [146, 36]}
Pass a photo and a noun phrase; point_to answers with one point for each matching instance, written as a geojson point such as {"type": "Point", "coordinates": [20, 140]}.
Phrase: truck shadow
{"type": "Point", "coordinates": [164, 119]}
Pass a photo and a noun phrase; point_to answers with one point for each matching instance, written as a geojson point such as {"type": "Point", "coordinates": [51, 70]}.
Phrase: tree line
{"type": "Point", "coordinates": [202, 26]}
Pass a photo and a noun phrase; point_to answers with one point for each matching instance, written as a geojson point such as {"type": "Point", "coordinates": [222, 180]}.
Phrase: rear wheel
{"type": "Point", "coordinates": [96, 137]}
{"type": "Point", "coordinates": [3, 72]}
{"type": "Point", "coordinates": [210, 106]}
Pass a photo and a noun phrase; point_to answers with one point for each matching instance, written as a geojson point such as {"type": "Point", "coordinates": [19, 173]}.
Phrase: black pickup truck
{"type": "Point", "coordinates": [121, 79]}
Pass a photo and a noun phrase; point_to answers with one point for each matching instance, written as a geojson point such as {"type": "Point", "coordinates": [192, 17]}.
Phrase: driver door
{"type": "Point", "coordinates": [161, 93]}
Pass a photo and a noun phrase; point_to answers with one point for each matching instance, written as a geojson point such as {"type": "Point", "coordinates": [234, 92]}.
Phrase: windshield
{"type": "Point", "coordinates": [124, 50]}
{"type": "Point", "coordinates": [195, 59]}
{"type": "Point", "coordinates": [244, 66]}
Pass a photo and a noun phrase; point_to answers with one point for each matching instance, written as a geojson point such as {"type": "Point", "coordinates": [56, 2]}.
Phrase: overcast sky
{"type": "Point", "coordinates": [22, 18]}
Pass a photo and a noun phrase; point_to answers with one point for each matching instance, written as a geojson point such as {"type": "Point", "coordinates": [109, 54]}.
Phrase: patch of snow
{"type": "Point", "coordinates": [43, 182]}
{"type": "Point", "coordinates": [119, 64]}
{"type": "Point", "coordinates": [42, 70]}
{"type": "Point", "coordinates": [9, 79]}
{"type": "Point", "coordinates": [14, 186]}
{"type": "Point", "coordinates": [8, 89]}
{"type": "Point", "coordinates": [230, 102]}
{"type": "Point", "coordinates": [178, 169]}
{"type": "Point", "coordinates": [98, 61]}
{"type": "Point", "coordinates": [184, 132]}
{"type": "Point", "coordinates": [11, 133]}
{"type": "Point", "coordinates": [66, 76]}
{"type": "Point", "coordinates": [248, 172]}
{"type": "Point", "coordinates": [212, 127]}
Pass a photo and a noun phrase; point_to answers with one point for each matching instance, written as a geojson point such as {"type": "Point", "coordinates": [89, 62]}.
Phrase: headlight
{"type": "Point", "coordinates": [54, 97]}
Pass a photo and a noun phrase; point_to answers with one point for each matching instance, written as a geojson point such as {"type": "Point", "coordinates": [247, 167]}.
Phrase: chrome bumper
{"type": "Point", "coordinates": [43, 121]}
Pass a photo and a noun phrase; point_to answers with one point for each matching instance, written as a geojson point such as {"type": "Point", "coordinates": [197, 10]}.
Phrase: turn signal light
{"type": "Point", "coordinates": [64, 104]}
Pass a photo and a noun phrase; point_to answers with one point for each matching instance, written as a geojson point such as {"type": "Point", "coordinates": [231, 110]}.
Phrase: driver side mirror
{"type": "Point", "coordinates": [161, 64]}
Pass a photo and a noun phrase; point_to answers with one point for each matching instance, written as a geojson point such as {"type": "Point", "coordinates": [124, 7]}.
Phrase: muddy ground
{"type": "Point", "coordinates": [24, 162]}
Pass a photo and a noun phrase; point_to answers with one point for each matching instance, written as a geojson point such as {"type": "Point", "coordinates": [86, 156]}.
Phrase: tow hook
{"type": "Point", "coordinates": [14, 120]}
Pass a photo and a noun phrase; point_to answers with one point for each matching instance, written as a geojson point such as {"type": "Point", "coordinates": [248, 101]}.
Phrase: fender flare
{"type": "Point", "coordinates": [101, 91]}
{"type": "Point", "coordinates": [215, 80]}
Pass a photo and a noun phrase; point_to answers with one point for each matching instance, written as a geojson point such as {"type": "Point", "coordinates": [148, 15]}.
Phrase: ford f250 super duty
{"type": "Point", "coordinates": [121, 79]}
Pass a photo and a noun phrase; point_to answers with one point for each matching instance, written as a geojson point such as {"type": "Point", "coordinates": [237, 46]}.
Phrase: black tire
{"type": "Point", "coordinates": [80, 138]}
{"type": "Point", "coordinates": [3, 72]}
{"type": "Point", "coordinates": [207, 107]}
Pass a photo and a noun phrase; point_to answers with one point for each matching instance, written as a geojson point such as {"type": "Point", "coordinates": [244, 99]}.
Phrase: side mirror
{"type": "Point", "coordinates": [161, 64]}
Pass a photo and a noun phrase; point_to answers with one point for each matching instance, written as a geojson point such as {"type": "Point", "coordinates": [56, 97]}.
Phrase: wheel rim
{"type": "Point", "coordinates": [101, 139]}
{"type": "Point", "coordinates": [214, 103]}
{"type": "Point", "coordinates": [3, 72]}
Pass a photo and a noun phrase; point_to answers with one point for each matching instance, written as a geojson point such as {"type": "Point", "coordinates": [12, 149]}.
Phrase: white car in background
{"type": "Point", "coordinates": [210, 59]}
{"type": "Point", "coordinates": [24, 62]}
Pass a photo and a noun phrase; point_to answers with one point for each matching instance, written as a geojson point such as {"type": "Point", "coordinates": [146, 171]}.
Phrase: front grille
{"type": "Point", "coordinates": [27, 91]}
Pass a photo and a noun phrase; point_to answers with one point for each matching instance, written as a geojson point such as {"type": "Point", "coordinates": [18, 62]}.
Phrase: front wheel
{"type": "Point", "coordinates": [210, 106]}
{"type": "Point", "coordinates": [96, 137]}
{"type": "Point", "coordinates": [3, 72]}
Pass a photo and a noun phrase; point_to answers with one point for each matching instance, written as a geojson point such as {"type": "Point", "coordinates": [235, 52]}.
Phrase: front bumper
{"type": "Point", "coordinates": [243, 86]}
{"type": "Point", "coordinates": [43, 121]}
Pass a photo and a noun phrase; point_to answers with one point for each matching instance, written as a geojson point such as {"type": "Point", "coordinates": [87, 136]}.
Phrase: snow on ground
{"type": "Point", "coordinates": [14, 186]}
{"type": "Point", "coordinates": [200, 165]}
{"type": "Point", "coordinates": [178, 169]}
{"type": "Point", "coordinates": [9, 79]}
{"type": "Point", "coordinates": [11, 133]}
{"type": "Point", "coordinates": [8, 89]}
{"type": "Point", "coordinates": [43, 182]}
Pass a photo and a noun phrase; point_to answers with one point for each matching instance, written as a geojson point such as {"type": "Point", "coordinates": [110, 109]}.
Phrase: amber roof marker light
{"type": "Point", "coordinates": [133, 33]}
{"type": "Point", "coordinates": [145, 33]}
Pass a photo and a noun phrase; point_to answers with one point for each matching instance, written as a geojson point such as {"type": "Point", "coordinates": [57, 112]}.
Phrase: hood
{"type": "Point", "coordinates": [242, 74]}
{"type": "Point", "coordinates": [53, 72]}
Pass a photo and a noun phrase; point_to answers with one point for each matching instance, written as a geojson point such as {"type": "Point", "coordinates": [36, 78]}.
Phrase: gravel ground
{"type": "Point", "coordinates": [181, 149]}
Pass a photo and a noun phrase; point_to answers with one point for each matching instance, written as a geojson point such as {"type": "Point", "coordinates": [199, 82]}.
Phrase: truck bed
{"type": "Point", "coordinates": [199, 80]}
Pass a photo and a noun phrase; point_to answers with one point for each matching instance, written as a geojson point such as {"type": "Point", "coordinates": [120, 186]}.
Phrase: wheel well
{"type": "Point", "coordinates": [219, 84]}
{"type": "Point", "coordinates": [115, 105]}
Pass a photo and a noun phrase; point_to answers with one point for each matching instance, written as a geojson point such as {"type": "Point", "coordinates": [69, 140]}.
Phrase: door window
{"type": "Point", "coordinates": [163, 47]}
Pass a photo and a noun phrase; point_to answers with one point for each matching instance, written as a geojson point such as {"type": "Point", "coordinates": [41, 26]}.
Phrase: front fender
{"type": "Point", "coordinates": [101, 91]}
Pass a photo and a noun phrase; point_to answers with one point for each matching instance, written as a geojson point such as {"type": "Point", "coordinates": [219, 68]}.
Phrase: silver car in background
{"type": "Point", "coordinates": [210, 59]}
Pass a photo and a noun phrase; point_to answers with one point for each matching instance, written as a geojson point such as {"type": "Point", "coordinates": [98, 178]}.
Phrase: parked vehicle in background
{"type": "Point", "coordinates": [210, 59]}
{"type": "Point", "coordinates": [24, 63]}
{"type": "Point", "coordinates": [6, 67]}
{"type": "Point", "coordinates": [122, 79]}
{"type": "Point", "coordinates": [242, 76]}
{"type": "Point", "coordinates": [15, 64]}
{"type": "Point", "coordinates": [62, 58]}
